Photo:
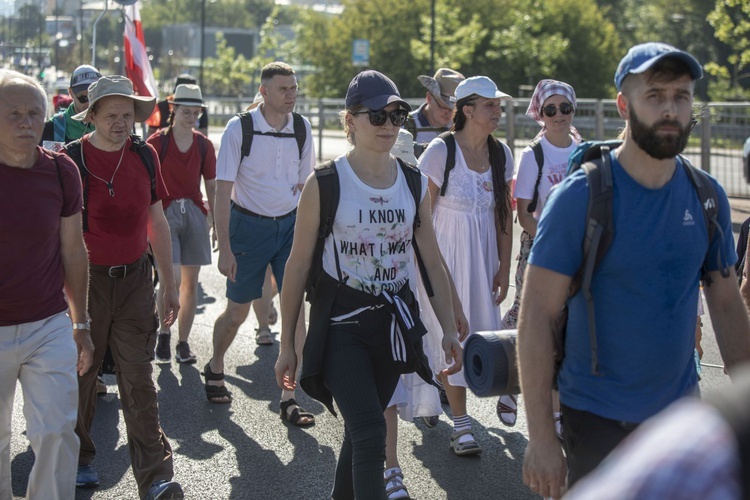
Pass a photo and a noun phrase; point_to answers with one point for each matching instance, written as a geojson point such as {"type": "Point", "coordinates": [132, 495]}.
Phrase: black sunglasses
{"type": "Point", "coordinates": [83, 98]}
{"type": "Point", "coordinates": [551, 110]}
{"type": "Point", "coordinates": [379, 116]}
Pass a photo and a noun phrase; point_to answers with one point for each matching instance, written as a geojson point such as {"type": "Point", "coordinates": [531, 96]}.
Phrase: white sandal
{"type": "Point", "coordinates": [395, 478]}
{"type": "Point", "coordinates": [467, 447]}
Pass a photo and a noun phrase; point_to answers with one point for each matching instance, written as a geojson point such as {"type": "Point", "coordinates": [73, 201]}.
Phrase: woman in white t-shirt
{"type": "Point", "coordinates": [364, 325]}
{"type": "Point", "coordinates": [552, 106]}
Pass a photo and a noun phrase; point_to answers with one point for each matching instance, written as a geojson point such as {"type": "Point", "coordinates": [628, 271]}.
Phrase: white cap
{"type": "Point", "coordinates": [481, 86]}
{"type": "Point", "coordinates": [404, 147]}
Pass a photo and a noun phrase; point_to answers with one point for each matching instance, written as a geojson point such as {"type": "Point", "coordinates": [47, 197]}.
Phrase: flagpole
{"type": "Point", "coordinates": [93, 35]}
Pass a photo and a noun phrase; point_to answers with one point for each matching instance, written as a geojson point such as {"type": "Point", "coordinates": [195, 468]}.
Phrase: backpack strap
{"type": "Point", "coordinates": [329, 193]}
{"type": "Point", "coordinates": [147, 158]}
{"type": "Point", "coordinates": [202, 148]}
{"type": "Point", "coordinates": [300, 131]}
{"type": "Point", "coordinates": [59, 126]}
{"type": "Point", "coordinates": [710, 205]}
{"type": "Point", "coordinates": [536, 147]}
{"type": "Point", "coordinates": [450, 159]}
{"type": "Point", "coordinates": [246, 121]}
{"type": "Point", "coordinates": [248, 131]}
{"type": "Point", "coordinates": [414, 181]}
{"type": "Point", "coordinates": [73, 149]}
{"type": "Point", "coordinates": [598, 238]}
{"type": "Point", "coordinates": [164, 146]}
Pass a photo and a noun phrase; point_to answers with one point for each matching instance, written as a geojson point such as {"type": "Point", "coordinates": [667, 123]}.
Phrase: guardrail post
{"type": "Point", "coordinates": [599, 120]}
{"type": "Point", "coordinates": [706, 139]}
{"type": "Point", "coordinates": [321, 124]}
{"type": "Point", "coordinates": [510, 127]}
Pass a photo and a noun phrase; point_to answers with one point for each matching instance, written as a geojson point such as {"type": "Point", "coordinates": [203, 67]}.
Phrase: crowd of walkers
{"type": "Point", "coordinates": [402, 247]}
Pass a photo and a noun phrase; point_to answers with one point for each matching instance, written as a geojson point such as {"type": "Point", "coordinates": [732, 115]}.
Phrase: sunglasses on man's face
{"type": "Point", "coordinates": [83, 98]}
{"type": "Point", "coordinates": [379, 116]}
{"type": "Point", "coordinates": [551, 110]}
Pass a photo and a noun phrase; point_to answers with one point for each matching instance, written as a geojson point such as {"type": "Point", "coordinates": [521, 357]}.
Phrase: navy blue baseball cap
{"type": "Point", "coordinates": [373, 90]}
{"type": "Point", "coordinates": [641, 57]}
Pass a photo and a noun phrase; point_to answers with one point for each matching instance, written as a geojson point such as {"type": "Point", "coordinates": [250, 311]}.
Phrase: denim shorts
{"type": "Point", "coordinates": [257, 243]}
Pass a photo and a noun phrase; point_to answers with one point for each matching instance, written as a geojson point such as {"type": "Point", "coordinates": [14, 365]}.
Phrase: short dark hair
{"type": "Point", "coordinates": [275, 68]}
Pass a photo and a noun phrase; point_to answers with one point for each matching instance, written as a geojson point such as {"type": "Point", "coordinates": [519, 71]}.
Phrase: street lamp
{"type": "Point", "coordinates": [203, 41]}
{"type": "Point", "coordinates": [432, 37]}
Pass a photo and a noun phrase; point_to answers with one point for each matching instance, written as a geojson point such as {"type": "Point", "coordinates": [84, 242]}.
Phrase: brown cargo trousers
{"type": "Point", "coordinates": [123, 317]}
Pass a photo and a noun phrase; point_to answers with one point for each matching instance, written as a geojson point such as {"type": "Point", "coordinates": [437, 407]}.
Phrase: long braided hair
{"type": "Point", "coordinates": [500, 188]}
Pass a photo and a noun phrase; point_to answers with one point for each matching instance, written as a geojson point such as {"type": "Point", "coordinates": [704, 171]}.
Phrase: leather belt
{"type": "Point", "coordinates": [116, 271]}
{"type": "Point", "coordinates": [253, 214]}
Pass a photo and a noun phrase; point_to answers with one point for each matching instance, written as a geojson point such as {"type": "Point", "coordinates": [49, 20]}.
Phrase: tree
{"type": "Point", "coordinates": [731, 20]}
{"type": "Point", "coordinates": [529, 40]}
{"type": "Point", "coordinates": [228, 74]}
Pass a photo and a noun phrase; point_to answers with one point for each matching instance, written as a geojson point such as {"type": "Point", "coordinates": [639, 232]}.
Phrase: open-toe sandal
{"type": "Point", "coordinates": [394, 485]}
{"type": "Point", "coordinates": [507, 410]}
{"type": "Point", "coordinates": [467, 447]}
{"type": "Point", "coordinates": [298, 416]}
{"type": "Point", "coordinates": [263, 336]}
{"type": "Point", "coordinates": [217, 394]}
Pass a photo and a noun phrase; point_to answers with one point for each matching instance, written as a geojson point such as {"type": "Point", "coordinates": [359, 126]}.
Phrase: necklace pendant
{"type": "Point", "coordinates": [111, 190]}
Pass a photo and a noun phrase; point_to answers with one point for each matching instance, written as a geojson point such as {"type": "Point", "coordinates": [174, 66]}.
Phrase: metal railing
{"type": "Point", "coordinates": [715, 144]}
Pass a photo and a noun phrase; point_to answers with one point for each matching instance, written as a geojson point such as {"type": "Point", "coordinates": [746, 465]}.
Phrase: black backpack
{"type": "Point", "coordinates": [593, 157]}
{"type": "Point", "coordinates": [330, 191]}
{"type": "Point", "coordinates": [248, 131]}
{"type": "Point", "coordinates": [411, 126]}
{"type": "Point", "coordinates": [536, 147]}
{"type": "Point", "coordinates": [202, 147]}
{"type": "Point", "coordinates": [138, 145]}
{"type": "Point", "coordinates": [497, 159]}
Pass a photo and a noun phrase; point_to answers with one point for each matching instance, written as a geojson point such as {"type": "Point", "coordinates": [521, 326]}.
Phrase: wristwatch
{"type": "Point", "coordinates": [82, 326]}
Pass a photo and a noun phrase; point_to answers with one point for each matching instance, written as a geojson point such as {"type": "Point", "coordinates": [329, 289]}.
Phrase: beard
{"type": "Point", "coordinates": [658, 146]}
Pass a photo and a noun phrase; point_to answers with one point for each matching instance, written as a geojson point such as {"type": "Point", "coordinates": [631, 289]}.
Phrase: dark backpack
{"type": "Point", "coordinates": [411, 126]}
{"type": "Point", "coordinates": [202, 147]}
{"type": "Point", "coordinates": [593, 157]}
{"type": "Point", "coordinates": [330, 191]}
{"type": "Point", "coordinates": [497, 159]}
{"type": "Point", "coordinates": [536, 147]}
{"type": "Point", "coordinates": [248, 131]}
{"type": "Point", "coordinates": [138, 145]}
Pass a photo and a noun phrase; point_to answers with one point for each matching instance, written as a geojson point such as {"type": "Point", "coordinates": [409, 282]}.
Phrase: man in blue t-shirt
{"type": "Point", "coordinates": [645, 288]}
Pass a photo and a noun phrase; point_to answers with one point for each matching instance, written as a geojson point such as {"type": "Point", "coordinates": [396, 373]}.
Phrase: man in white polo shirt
{"type": "Point", "coordinates": [256, 208]}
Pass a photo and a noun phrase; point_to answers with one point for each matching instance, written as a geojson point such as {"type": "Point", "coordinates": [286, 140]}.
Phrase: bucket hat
{"type": "Point", "coordinates": [443, 85]}
{"type": "Point", "coordinates": [187, 94]}
{"type": "Point", "coordinates": [117, 85]}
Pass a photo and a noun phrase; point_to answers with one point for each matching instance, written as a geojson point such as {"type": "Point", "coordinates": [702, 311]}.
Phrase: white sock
{"type": "Point", "coordinates": [461, 422]}
{"type": "Point", "coordinates": [396, 480]}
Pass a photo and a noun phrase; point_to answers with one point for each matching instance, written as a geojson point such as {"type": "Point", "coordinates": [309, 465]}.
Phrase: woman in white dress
{"type": "Point", "coordinates": [473, 224]}
{"type": "Point", "coordinates": [553, 107]}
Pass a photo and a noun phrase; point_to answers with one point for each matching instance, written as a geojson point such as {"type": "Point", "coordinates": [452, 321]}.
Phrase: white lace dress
{"type": "Point", "coordinates": [464, 221]}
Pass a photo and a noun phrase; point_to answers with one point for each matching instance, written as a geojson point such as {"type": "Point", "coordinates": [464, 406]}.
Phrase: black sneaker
{"type": "Point", "coordinates": [183, 354]}
{"type": "Point", "coordinates": [163, 352]}
{"type": "Point", "coordinates": [165, 490]}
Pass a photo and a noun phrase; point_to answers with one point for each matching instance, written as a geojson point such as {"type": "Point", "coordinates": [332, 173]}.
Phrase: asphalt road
{"type": "Point", "coordinates": [244, 450]}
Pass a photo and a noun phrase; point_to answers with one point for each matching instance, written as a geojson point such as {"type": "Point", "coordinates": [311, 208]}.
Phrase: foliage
{"type": "Point", "coordinates": [731, 20]}
{"type": "Point", "coordinates": [228, 74]}
{"type": "Point", "coordinates": [526, 41]}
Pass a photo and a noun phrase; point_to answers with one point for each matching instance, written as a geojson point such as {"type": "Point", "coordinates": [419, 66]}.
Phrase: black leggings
{"type": "Point", "coordinates": [360, 374]}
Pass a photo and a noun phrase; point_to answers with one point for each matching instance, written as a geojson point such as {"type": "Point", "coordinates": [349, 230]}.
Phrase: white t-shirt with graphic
{"type": "Point", "coordinates": [372, 232]}
{"type": "Point", "coordinates": [555, 167]}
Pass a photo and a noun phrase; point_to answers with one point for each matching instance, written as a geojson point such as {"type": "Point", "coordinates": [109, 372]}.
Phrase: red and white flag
{"type": "Point", "coordinates": [137, 65]}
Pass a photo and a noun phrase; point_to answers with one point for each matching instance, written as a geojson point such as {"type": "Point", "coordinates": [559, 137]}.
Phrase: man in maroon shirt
{"type": "Point", "coordinates": [122, 213]}
{"type": "Point", "coordinates": [43, 253]}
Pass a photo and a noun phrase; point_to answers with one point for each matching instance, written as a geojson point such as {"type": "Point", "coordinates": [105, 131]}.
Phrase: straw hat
{"type": "Point", "coordinates": [187, 94]}
{"type": "Point", "coordinates": [117, 85]}
{"type": "Point", "coordinates": [443, 85]}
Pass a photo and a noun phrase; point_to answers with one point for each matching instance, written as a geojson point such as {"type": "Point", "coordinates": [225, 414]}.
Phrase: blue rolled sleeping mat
{"type": "Point", "coordinates": [490, 363]}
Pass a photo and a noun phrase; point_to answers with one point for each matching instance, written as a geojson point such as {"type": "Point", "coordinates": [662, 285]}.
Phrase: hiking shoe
{"type": "Point", "coordinates": [183, 354]}
{"type": "Point", "coordinates": [86, 477]}
{"type": "Point", "coordinates": [165, 490]}
{"type": "Point", "coordinates": [163, 352]}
